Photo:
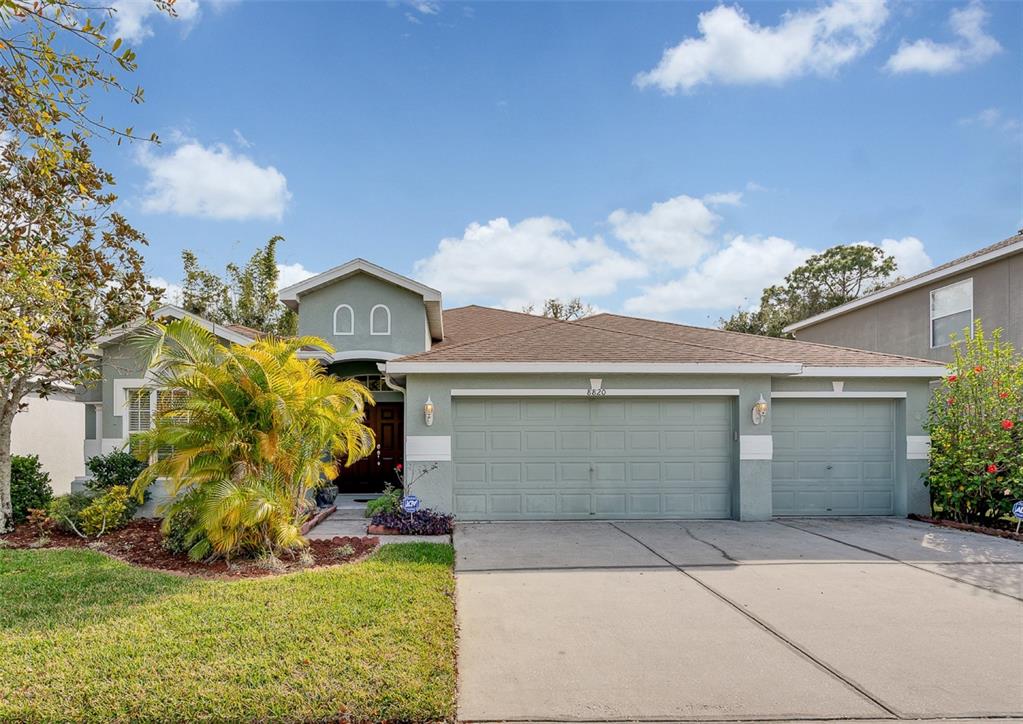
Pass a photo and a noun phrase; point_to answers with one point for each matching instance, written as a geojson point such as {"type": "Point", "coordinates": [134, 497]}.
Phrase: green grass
{"type": "Point", "coordinates": [87, 638]}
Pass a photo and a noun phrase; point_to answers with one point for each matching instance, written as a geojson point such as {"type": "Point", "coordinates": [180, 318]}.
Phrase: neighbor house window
{"type": "Point", "coordinates": [380, 320]}
{"type": "Point", "coordinates": [344, 320]}
{"type": "Point", "coordinates": [951, 312]}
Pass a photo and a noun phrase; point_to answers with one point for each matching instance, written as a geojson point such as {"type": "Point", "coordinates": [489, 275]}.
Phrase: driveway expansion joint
{"type": "Point", "coordinates": [771, 630]}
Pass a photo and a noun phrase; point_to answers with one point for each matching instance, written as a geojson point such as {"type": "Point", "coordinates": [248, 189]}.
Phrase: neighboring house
{"type": "Point", "coordinates": [604, 417]}
{"type": "Point", "coordinates": [52, 428]}
{"type": "Point", "coordinates": [917, 316]}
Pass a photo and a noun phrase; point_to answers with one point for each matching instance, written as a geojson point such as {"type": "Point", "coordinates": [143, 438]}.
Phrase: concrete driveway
{"type": "Point", "coordinates": [719, 620]}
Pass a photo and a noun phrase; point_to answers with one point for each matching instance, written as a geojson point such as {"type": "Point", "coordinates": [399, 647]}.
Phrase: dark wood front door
{"type": "Point", "coordinates": [370, 474]}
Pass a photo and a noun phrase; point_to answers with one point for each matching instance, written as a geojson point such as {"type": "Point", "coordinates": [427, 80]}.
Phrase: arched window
{"type": "Point", "coordinates": [344, 320]}
{"type": "Point", "coordinates": [380, 320]}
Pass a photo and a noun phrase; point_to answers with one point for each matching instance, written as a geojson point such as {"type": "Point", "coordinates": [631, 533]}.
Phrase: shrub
{"type": "Point", "coordinates": [976, 425]}
{"type": "Point", "coordinates": [30, 486]}
{"type": "Point", "coordinates": [386, 503]}
{"type": "Point", "coordinates": [107, 512]}
{"type": "Point", "coordinates": [423, 522]}
{"type": "Point", "coordinates": [180, 528]}
{"type": "Point", "coordinates": [115, 468]}
{"type": "Point", "coordinates": [64, 511]}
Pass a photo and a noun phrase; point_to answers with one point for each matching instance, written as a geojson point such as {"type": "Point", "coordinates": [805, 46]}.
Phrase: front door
{"type": "Point", "coordinates": [370, 474]}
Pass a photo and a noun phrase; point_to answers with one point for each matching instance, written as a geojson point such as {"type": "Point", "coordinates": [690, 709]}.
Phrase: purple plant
{"type": "Point", "coordinates": [422, 522]}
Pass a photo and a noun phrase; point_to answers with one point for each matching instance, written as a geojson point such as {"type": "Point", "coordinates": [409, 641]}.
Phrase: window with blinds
{"type": "Point", "coordinates": [140, 415]}
{"type": "Point", "coordinates": [166, 401]}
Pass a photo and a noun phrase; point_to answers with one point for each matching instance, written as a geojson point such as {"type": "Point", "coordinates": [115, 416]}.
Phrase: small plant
{"type": "Point", "coordinates": [106, 512]}
{"type": "Point", "coordinates": [63, 511]}
{"type": "Point", "coordinates": [306, 559]}
{"type": "Point", "coordinates": [180, 528]}
{"type": "Point", "coordinates": [344, 551]}
{"type": "Point", "coordinates": [39, 521]}
{"type": "Point", "coordinates": [30, 486]}
{"type": "Point", "coordinates": [386, 503]}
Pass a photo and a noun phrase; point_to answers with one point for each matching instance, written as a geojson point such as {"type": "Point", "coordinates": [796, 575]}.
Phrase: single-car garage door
{"type": "Point", "coordinates": [833, 457]}
{"type": "Point", "coordinates": [558, 458]}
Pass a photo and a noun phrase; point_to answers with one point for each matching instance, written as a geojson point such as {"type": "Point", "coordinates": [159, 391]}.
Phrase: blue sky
{"type": "Point", "coordinates": [663, 159]}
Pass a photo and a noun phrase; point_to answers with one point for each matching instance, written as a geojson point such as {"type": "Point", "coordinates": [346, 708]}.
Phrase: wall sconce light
{"type": "Point", "coordinates": [428, 411]}
{"type": "Point", "coordinates": [759, 410]}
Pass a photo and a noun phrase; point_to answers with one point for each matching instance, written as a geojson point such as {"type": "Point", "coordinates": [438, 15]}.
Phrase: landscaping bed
{"type": "Point", "coordinates": [140, 543]}
{"type": "Point", "coordinates": [1009, 531]}
{"type": "Point", "coordinates": [88, 638]}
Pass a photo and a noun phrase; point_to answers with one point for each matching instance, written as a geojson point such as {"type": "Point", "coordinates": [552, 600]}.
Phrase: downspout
{"type": "Point", "coordinates": [382, 366]}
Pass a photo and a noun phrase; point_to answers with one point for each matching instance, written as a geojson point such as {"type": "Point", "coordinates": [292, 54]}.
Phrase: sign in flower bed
{"type": "Point", "coordinates": [976, 428]}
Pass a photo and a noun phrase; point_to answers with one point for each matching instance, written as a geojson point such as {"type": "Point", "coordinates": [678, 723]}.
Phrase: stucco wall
{"type": "Point", "coordinates": [53, 429]}
{"type": "Point", "coordinates": [752, 489]}
{"type": "Point", "coordinates": [363, 292]}
{"type": "Point", "coordinates": [901, 324]}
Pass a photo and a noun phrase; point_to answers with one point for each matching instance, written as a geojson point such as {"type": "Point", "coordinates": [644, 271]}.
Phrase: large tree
{"type": "Point", "coordinates": [835, 276]}
{"type": "Point", "coordinates": [245, 295]}
{"type": "Point", "coordinates": [553, 308]}
{"type": "Point", "coordinates": [70, 267]}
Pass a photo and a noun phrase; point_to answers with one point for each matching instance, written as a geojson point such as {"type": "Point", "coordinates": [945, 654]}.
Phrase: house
{"type": "Point", "coordinates": [519, 417]}
{"type": "Point", "coordinates": [53, 428]}
{"type": "Point", "coordinates": [917, 316]}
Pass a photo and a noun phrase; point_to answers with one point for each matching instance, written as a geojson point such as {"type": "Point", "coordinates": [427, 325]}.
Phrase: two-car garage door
{"type": "Point", "coordinates": [524, 458]}
{"type": "Point", "coordinates": [588, 458]}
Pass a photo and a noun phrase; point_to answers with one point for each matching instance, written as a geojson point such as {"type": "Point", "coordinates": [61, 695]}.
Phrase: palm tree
{"type": "Point", "coordinates": [243, 433]}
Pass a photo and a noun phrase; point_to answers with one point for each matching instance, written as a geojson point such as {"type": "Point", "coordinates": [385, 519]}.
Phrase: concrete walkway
{"type": "Point", "coordinates": [350, 520]}
{"type": "Point", "coordinates": [705, 621]}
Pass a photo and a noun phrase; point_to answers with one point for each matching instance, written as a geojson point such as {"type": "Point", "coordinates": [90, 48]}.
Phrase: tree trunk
{"type": "Point", "coordinates": [8, 409]}
{"type": "Point", "coordinates": [6, 509]}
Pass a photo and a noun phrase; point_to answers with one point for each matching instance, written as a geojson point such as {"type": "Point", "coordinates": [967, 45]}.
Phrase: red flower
{"type": "Point", "coordinates": [992, 468]}
{"type": "Point", "coordinates": [951, 400]}
{"type": "Point", "coordinates": [978, 368]}
{"type": "Point", "coordinates": [1006, 424]}
{"type": "Point", "coordinates": [1003, 395]}
{"type": "Point", "coordinates": [398, 467]}
{"type": "Point", "coordinates": [952, 378]}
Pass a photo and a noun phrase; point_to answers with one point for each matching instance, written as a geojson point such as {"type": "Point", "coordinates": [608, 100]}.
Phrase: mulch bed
{"type": "Point", "coordinates": [1009, 533]}
{"type": "Point", "coordinates": [140, 543]}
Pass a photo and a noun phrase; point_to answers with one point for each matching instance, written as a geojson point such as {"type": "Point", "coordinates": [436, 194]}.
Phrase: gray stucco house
{"type": "Point", "coordinates": [604, 417]}
{"type": "Point", "coordinates": [916, 316]}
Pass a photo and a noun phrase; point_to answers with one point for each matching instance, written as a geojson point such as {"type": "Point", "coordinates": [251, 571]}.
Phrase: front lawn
{"type": "Point", "coordinates": [87, 638]}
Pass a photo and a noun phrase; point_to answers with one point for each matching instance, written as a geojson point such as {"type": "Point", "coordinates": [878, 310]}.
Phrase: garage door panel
{"type": "Point", "coordinates": [833, 457]}
{"type": "Point", "coordinates": [627, 457]}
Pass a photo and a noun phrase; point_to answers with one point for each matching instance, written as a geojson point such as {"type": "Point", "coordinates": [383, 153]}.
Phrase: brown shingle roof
{"type": "Point", "coordinates": [245, 331]}
{"type": "Point", "coordinates": [613, 338]}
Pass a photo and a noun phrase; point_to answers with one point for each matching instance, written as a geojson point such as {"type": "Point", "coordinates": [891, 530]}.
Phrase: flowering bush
{"type": "Point", "coordinates": [976, 428]}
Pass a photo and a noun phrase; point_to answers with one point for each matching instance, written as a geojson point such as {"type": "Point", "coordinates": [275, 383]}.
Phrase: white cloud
{"type": "Point", "coordinates": [172, 294]}
{"type": "Point", "coordinates": [132, 18]}
{"type": "Point", "coordinates": [288, 274]}
{"type": "Point", "coordinates": [733, 276]}
{"type": "Point", "coordinates": [674, 232]}
{"type": "Point", "coordinates": [993, 118]}
{"type": "Point", "coordinates": [909, 254]}
{"type": "Point", "coordinates": [733, 50]}
{"type": "Point", "coordinates": [527, 262]}
{"type": "Point", "coordinates": [971, 47]}
{"type": "Point", "coordinates": [212, 182]}
{"type": "Point", "coordinates": [728, 198]}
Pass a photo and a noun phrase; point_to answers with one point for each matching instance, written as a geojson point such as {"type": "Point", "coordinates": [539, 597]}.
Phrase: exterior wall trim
{"type": "Point", "coordinates": [838, 373]}
{"type": "Point", "coordinates": [756, 447]}
{"type": "Point", "coordinates": [906, 286]}
{"type": "Point", "coordinates": [585, 392]}
{"type": "Point", "coordinates": [798, 395]}
{"type": "Point", "coordinates": [351, 321]}
{"type": "Point", "coordinates": [412, 366]}
{"type": "Point", "coordinates": [372, 319]}
{"type": "Point", "coordinates": [428, 448]}
{"type": "Point", "coordinates": [918, 447]}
